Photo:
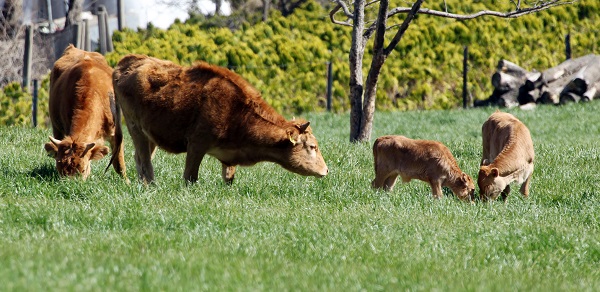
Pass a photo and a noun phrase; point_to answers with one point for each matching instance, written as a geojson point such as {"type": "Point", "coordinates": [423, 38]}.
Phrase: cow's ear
{"type": "Point", "coordinates": [51, 149]}
{"type": "Point", "coordinates": [292, 135]}
{"type": "Point", "coordinates": [485, 162]}
{"type": "Point", "coordinates": [495, 172]}
{"type": "Point", "coordinates": [99, 152]}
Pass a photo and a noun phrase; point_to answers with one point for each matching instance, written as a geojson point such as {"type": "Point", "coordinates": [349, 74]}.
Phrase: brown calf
{"type": "Point", "coordinates": [507, 156]}
{"type": "Point", "coordinates": [429, 161]}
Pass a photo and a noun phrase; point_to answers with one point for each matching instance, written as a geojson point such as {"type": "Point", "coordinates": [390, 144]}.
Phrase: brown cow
{"type": "Point", "coordinates": [82, 112]}
{"type": "Point", "coordinates": [425, 160]}
{"type": "Point", "coordinates": [507, 156]}
{"type": "Point", "coordinates": [206, 109]}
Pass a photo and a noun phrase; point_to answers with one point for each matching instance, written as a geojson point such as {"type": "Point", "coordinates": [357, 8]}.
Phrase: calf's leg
{"type": "Point", "coordinates": [436, 189]}
{"type": "Point", "coordinates": [505, 193]}
{"type": "Point", "coordinates": [525, 187]}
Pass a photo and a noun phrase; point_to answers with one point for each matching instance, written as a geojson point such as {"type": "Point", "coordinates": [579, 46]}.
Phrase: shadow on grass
{"type": "Point", "coordinates": [45, 172]}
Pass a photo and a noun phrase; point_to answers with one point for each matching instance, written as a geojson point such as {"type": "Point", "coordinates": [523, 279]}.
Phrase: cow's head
{"type": "Point", "coordinates": [73, 158]}
{"type": "Point", "coordinates": [464, 188]}
{"type": "Point", "coordinates": [490, 183]}
{"type": "Point", "coordinates": [303, 155]}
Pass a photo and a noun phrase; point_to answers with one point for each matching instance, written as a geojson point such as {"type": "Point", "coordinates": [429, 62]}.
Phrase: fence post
{"type": "Point", "coordinates": [102, 29]}
{"type": "Point", "coordinates": [109, 43]}
{"type": "Point", "coordinates": [87, 43]}
{"type": "Point", "coordinates": [27, 58]}
{"type": "Point", "coordinates": [76, 30]}
{"type": "Point", "coordinates": [568, 46]}
{"type": "Point", "coordinates": [34, 103]}
{"type": "Point", "coordinates": [120, 15]}
{"type": "Point", "coordinates": [329, 84]}
{"type": "Point", "coordinates": [465, 70]}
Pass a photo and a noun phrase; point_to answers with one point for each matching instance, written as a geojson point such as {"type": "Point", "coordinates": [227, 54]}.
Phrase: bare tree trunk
{"type": "Point", "coordinates": [74, 14]}
{"type": "Point", "coordinates": [218, 4]}
{"type": "Point", "coordinates": [357, 52]}
{"type": "Point", "coordinates": [379, 57]}
{"type": "Point", "coordinates": [266, 4]}
{"type": "Point", "coordinates": [380, 54]}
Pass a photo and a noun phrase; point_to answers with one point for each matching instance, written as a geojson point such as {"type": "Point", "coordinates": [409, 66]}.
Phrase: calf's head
{"type": "Point", "coordinates": [73, 158]}
{"type": "Point", "coordinates": [302, 154]}
{"type": "Point", "coordinates": [490, 183]}
{"type": "Point", "coordinates": [464, 188]}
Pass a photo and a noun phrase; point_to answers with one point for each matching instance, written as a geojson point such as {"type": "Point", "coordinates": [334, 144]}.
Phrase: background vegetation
{"type": "Point", "coordinates": [286, 57]}
{"type": "Point", "coordinates": [290, 232]}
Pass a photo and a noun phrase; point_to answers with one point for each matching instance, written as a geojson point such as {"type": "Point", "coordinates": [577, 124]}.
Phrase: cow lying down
{"type": "Point", "coordinates": [425, 160]}
{"type": "Point", "coordinates": [82, 111]}
{"type": "Point", "coordinates": [207, 109]}
{"type": "Point", "coordinates": [507, 156]}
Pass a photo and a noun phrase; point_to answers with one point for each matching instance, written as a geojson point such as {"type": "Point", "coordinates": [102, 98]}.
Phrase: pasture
{"type": "Point", "coordinates": [273, 230]}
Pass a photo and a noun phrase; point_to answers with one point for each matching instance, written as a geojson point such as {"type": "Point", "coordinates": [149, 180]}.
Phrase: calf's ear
{"type": "Point", "coordinates": [464, 177]}
{"type": "Point", "coordinates": [51, 149]}
{"type": "Point", "coordinates": [495, 172]}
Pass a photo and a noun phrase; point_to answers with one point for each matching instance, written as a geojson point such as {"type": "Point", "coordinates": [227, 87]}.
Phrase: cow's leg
{"type": "Point", "coordinates": [436, 189]}
{"type": "Point", "coordinates": [193, 158]}
{"type": "Point", "coordinates": [143, 153]}
{"type": "Point", "coordinates": [525, 186]}
{"type": "Point", "coordinates": [390, 181]}
{"type": "Point", "coordinates": [505, 193]}
{"type": "Point", "coordinates": [227, 172]}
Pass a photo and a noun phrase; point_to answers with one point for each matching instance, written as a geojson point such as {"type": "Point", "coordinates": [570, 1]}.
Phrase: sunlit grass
{"type": "Point", "coordinates": [273, 230]}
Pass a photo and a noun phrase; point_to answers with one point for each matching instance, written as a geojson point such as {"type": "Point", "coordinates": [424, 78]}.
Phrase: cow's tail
{"type": "Point", "coordinates": [375, 161]}
{"type": "Point", "coordinates": [116, 111]}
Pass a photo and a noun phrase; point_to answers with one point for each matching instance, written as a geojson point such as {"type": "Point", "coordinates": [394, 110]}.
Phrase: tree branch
{"type": "Point", "coordinates": [511, 14]}
{"type": "Point", "coordinates": [411, 15]}
{"type": "Point", "coordinates": [344, 7]}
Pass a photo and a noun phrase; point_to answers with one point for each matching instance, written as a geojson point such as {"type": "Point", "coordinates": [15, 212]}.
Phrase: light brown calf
{"type": "Point", "coordinates": [83, 113]}
{"type": "Point", "coordinates": [429, 161]}
{"type": "Point", "coordinates": [507, 156]}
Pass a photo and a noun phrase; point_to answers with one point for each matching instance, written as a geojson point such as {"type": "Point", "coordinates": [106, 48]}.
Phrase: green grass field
{"type": "Point", "coordinates": [276, 231]}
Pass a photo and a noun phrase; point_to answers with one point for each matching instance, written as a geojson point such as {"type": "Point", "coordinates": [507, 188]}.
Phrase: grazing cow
{"type": "Point", "coordinates": [425, 160]}
{"type": "Point", "coordinates": [507, 156]}
{"type": "Point", "coordinates": [206, 109]}
{"type": "Point", "coordinates": [82, 112]}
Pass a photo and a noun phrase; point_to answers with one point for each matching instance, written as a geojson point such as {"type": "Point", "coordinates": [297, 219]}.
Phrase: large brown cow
{"type": "Point", "coordinates": [82, 112]}
{"type": "Point", "coordinates": [205, 109]}
{"type": "Point", "coordinates": [507, 156]}
{"type": "Point", "coordinates": [426, 160]}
